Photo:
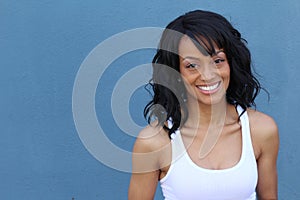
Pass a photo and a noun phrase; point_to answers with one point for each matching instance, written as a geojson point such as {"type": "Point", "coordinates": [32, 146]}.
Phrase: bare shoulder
{"type": "Point", "coordinates": [264, 131]}
{"type": "Point", "coordinates": [152, 150]}
{"type": "Point", "coordinates": [262, 124]}
{"type": "Point", "coordinates": [152, 138]}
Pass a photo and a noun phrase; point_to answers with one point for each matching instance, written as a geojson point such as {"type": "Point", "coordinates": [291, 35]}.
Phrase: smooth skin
{"type": "Point", "coordinates": [206, 79]}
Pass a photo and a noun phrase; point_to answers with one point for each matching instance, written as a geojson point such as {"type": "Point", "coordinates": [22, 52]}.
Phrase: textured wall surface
{"type": "Point", "coordinates": [42, 46]}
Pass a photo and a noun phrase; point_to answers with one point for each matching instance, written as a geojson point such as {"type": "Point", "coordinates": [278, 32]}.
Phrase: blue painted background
{"type": "Point", "coordinates": [42, 45]}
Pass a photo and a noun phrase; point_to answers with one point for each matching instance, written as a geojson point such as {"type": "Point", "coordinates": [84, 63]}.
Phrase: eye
{"type": "Point", "coordinates": [191, 65]}
{"type": "Point", "coordinates": [219, 60]}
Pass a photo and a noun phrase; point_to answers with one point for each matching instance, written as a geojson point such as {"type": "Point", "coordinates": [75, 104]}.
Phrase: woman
{"type": "Point", "coordinates": [203, 140]}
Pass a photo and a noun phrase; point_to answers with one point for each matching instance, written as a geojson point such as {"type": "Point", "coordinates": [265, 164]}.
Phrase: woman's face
{"type": "Point", "coordinates": [206, 77]}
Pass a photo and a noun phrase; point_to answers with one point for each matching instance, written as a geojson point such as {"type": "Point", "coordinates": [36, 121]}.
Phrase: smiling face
{"type": "Point", "coordinates": [207, 77]}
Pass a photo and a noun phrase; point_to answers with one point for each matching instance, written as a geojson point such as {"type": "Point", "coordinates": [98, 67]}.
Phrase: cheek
{"type": "Point", "coordinates": [225, 72]}
{"type": "Point", "coordinates": [189, 78]}
{"type": "Point", "coordinates": [226, 77]}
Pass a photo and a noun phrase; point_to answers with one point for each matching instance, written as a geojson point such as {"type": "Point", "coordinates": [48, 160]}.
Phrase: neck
{"type": "Point", "coordinates": [206, 115]}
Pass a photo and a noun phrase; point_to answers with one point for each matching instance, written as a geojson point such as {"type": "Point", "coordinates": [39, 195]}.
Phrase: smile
{"type": "Point", "coordinates": [209, 88]}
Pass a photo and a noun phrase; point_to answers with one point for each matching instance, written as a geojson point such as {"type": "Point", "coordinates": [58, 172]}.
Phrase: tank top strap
{"type": "Point", "coordinates": [246, 136]}
{"type": "Point", "coordinates": [178, 148]}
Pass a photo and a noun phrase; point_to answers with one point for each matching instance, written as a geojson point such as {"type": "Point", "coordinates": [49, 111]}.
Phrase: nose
{"type": "Point", "coordinates": [208, 71]}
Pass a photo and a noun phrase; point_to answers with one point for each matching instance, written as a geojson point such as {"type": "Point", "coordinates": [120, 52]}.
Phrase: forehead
{"type": "Point", "coordinates": [187, 47]}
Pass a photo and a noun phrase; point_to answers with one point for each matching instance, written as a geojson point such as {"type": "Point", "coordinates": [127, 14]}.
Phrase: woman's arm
{"type": "Point", "coordinates": [145, 174]}
{"type": "Point", "coordinates": [265, 137]}
{"type": "Point", "coordinates": [143, 186]}
{"type": "Point", "coordinates": [148, 152]}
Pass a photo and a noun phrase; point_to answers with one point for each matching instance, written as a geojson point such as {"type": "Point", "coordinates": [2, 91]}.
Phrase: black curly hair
{"type": "Point", "coordinates": [206, 29]}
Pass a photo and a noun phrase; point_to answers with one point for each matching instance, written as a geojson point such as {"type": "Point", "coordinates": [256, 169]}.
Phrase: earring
{"type": "Point", "coordinates": [183, 96]}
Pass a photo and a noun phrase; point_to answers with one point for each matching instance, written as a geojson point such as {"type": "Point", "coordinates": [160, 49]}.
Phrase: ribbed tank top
{"type": "Point", "coordinates": [185, 180]}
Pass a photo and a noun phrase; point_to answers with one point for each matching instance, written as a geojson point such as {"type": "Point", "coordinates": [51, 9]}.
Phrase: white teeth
{"type": "Point", "coordinates": [208, 88]}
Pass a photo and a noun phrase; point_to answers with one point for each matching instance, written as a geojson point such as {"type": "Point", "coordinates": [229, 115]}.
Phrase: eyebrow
{"type": "Point", "coordinates": [217, 52]}
{"type": "Point", "coordinates": [191, 57]}
{"type": "Point", "coordinates": [195, 58]}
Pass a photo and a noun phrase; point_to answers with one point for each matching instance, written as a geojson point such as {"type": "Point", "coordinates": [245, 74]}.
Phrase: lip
{"type": "Point", "coordinates": [209, 88]}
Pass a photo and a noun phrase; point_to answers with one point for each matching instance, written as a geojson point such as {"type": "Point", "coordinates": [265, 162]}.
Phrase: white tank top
{"type": "Point", "coordinates": [187, 181]}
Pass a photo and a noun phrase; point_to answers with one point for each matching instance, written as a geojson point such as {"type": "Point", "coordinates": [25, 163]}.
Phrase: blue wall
{"type": "Point", "coordinates": [42, 46]}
